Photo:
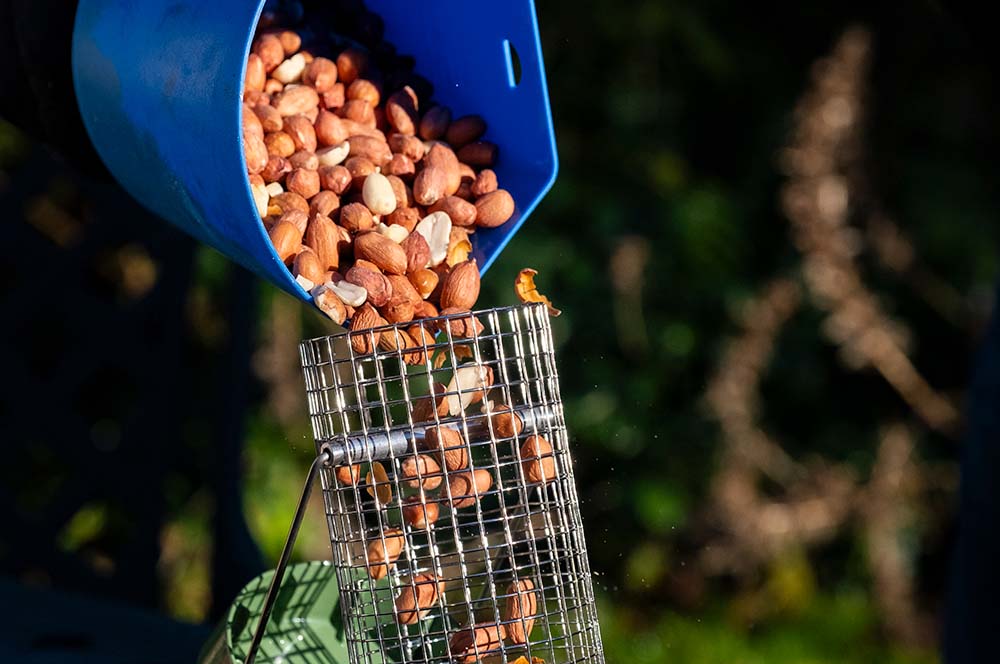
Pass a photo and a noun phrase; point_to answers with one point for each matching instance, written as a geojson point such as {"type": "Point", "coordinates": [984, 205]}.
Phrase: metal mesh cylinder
{"type": "Point", "coordinates": [451, 504]}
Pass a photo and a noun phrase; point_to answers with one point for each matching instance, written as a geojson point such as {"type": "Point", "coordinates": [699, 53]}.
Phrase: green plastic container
{"type": "Point", "coordinates": [305, 625]}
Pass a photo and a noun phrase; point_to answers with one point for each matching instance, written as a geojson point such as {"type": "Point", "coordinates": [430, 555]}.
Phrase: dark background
{"type": "Point", "coordinates": [771, 239]}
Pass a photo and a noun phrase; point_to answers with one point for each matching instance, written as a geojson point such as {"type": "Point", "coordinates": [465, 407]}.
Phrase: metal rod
{"type": "Point", "coordinates": [286, 553]}
{"type": "Point", "coordinates": [380, 445]}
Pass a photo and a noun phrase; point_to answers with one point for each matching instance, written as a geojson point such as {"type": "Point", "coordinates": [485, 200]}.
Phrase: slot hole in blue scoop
{"type": "Point", "coordinates": [513, 64]}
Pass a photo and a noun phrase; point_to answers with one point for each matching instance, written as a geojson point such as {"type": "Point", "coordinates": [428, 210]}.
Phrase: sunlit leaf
{"type": "Point", "coordinates": [526, 290]}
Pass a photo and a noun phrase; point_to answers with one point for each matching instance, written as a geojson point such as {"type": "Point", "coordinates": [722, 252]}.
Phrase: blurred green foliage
{"type": "Point", "coordinates": [830, 629]}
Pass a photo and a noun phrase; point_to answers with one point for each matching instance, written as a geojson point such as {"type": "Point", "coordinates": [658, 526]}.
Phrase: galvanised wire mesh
{"type": "Point", "coordinates": [450, 499]}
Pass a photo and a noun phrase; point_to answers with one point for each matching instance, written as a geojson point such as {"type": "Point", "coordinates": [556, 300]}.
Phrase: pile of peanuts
{"type": "Point", "coordinates": [439, 472]}
{"type": "Point", "coordinates": [369, 195]}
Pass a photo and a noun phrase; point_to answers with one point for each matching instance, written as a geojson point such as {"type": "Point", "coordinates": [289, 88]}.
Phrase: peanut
{"type": "Point", "coordinates": [450, 444]}
{"type": "Point", "coordinates": [296, 100]}
{"type": "Point", "coordinates": [286, 239]}
{"type": "Point", "coordinates": [356, 218]}
{"type": "Point", "coordinates": [537, 462]}
{"type": "Point", "coordinates": [406, 217]}
{"type": "Point", "coordinates": [417, 597]}
{"type": "Point", "coordinates": [303, 181]}
{"type": "Point", "coordinates": [479, 153]}
{"type": "Point", "coordinates": [324, 203]}
{"type": "Point", "coordinates": [461, 286]}
{"type": "Point", "coordinates": [402, 193]}
{"type": "Point", "coordinates": [461, 212]}
{"type": "Point", "coordinates": [429, 185]}
{"type": "Point", "coordinates": [255, 74]}
{"type": "Point", "coordinates": [494, 208]}
{"type": "Point", "coordinates": [400, 165]}
{"type": "Point", "coordinates": [290, 71]}
{"type": "Point", "coordinates": [351, 64]}
{"type": "Point", "coordinates": [337, 179]}
{"type": "Point", "coordinates": [269, 117]}
{"type": "Point", "coordinates": [425, 408]}
{"type": "Point", "coordinates": [279, 143]}
{"type": "Point", "coordinates": [358, 110]}
{"type": "Point", "coordinates": [418, 255]}
{"type": "Point", "coordinates": [276, 169]}
{"type": "Point", "coordinates": [419, 514]}
{"type": "Point", "coordinates": [408, 146]}
{"type": "Point", "coordinates": [435, 123]}
{"type": "Point", "coordinates": [506, 423]}
{"type": "Point", "coordinates": [401, 111]}
{"type": "Point", "coordinates": [322, 237]}
{"type": "Point", "coordinates": [363, 338]}
{"type": "Point", "coordinates": [421, 471]}
{"type": "Point", "coordinates": [383, 552]}
{"type": "Point", "coordinates": [378, 194]}
{"type": "Point", "coordinates": [442, 157]}
{"type": "Point", "coordinates": [330, 129]}
{"type": "Point", "coordinates": [472, 644]}
{"type": "Point", "coordinates": [383, 252]}
{"type": "Point", "coordinates": [348, 474]}
{"type": "Point", "coordinates": [370, 148]}
{"type": "Point", "coordinates": [375, 284]}
{"type": "Point", "coordinates": [467, 487]}
{"type": "Point", "coordinates": [268, 48]}
{"type": "Point", "coordinates": [302, 132]}
{"type": "Point", "coordinates": [334, 98]}
{"type": "Point", "coordinates": [465, 130]}
{"type": "Point", "coordinates": [307, 264]}
{"type": "Point", "coordinates": [520, 609]}
{"type": "Point", "coordinates": [333, 155]}
{"type": "Point", "coordinates": [304, 159]}
{"type": "Point", "coordinates": [290, 41]}
{"type": "Point", "coordinates": [359, 168]}
{"type": "Point", "coordinates": [289, 201]}
{"type": "Point", "coordinates": [365, 90]}
{"type": "Point", "coordinates": [321, 74]}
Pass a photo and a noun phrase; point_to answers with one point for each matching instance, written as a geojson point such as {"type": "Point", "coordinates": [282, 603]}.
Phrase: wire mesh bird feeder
{"type": "Point", "coordinates": [449, 493]}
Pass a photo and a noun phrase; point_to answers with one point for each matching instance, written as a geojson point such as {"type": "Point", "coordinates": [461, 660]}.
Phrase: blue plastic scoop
{"type": "Point", "coordinates": [159, 86]}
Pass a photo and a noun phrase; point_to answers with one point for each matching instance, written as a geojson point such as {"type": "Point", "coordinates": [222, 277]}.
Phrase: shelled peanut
{"type": "Point", "coordinates": [383, 552]}
{"type": "Point", "coordinates": [473, 643]}
{"type": "Point", "coordinates": [370, 193]}
{"type": "Point", "coordinates": [417, 597]}
{"type": "Point", "coordinates": [520, 610]}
